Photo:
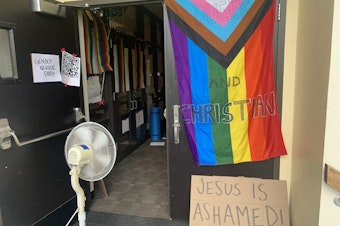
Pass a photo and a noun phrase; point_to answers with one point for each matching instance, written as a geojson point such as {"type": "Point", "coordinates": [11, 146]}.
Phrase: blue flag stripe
{"type": "Point", "coordinates": [199, 79]}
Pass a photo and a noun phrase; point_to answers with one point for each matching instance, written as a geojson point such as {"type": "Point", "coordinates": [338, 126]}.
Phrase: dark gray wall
{"type": "Point", "coordinates": [34, 178]}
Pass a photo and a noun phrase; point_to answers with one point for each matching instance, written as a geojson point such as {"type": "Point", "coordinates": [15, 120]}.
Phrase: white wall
{"type": "Point", "coordinates": [329, 212]}
{"type": "Point", "coordinates": [289, 88]}
{"type": "Point", "coordinates": [306, 71]}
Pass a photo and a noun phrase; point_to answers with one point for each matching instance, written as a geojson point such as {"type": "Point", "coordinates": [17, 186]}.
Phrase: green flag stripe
{"type": "Point", "coordinates": [218, 86]}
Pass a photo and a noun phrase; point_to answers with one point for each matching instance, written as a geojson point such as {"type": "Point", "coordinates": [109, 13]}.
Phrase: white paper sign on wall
{"type": "Point", "coordinates": [46, 68]}
{"type": "Point", "coordinates": [70, 69]}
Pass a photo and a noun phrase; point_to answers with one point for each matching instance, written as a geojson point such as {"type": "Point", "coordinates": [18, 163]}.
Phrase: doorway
{"type": "Point", "coordinates": [138, 184]}
{"type": "Point", "coordinates": [179, 159]}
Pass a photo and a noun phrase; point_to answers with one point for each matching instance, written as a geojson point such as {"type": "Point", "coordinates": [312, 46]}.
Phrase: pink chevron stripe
{"type": "Point", "coordinates": [215, 11]}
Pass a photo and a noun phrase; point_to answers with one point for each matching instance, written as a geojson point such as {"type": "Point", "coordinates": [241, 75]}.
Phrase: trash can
{"type": "Point", "coordinates": [155, 124]}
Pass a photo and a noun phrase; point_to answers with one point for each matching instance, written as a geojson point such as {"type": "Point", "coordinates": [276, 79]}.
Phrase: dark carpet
{"type": "Point", "coordinates": [108, 219]}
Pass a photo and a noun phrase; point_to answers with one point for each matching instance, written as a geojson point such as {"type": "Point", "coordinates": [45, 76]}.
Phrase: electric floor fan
{"type": "Point", "coordinates": [90, 152]}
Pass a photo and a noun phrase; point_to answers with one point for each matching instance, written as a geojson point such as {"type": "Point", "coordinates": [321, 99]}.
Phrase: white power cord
{"type": "Point", "coordinates": [73, 215]}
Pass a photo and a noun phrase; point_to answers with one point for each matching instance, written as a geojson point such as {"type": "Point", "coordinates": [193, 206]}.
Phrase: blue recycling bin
{"type": "Point", "coordinates": [155, 124]}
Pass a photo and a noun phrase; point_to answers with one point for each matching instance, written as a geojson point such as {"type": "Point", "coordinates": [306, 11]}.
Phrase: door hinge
{"type": "Point", "coordinates": [279, 12]}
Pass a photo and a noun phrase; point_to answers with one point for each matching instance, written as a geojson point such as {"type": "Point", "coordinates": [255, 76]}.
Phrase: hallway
{"type": "Point", "coordinates": [137, 186]}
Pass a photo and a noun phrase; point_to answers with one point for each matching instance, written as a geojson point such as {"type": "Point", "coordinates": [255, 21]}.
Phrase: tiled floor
{"type": "Point", "coordinates": [137, 186]}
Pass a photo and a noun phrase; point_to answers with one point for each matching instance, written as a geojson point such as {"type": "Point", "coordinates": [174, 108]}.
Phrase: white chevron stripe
{"type": "Point", "coordinates": [220, 5]}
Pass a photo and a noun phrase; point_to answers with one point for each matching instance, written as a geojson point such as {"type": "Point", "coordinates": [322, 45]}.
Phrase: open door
{"type": "Point", "coordinates": [181, 164]}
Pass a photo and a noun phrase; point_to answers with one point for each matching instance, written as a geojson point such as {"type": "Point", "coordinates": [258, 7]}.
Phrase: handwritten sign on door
{"type": "Point", "coordinates": [46, 68]}
{"type": "Point", "coordinates": [222, 201]}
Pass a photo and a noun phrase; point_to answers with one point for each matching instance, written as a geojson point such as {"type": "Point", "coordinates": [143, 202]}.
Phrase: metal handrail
{"type": "Point", "coordinates": [6, 132]}
{"type": "Point", "coordinates": [47, 136]}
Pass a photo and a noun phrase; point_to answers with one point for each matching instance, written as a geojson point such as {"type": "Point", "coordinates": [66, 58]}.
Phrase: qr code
{"type": "Point", "coordinates": [70, 66]}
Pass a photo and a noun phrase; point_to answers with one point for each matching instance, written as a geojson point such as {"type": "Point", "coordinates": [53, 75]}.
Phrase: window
{"type": "Point", "coordinates": [8, 63]}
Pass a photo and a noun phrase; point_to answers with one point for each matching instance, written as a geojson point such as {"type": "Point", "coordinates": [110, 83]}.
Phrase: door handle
{"type": "Point", "coordinates": [176, 124]}
{"type": "Point", "coordinates": [130, 105]}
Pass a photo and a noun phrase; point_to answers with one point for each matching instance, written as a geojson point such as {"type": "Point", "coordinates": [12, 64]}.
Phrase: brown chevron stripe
{"type": "Point", "coordinates": [222, 46]}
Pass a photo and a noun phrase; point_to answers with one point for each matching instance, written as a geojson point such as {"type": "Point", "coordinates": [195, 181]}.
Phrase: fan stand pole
{"type": "Point", "coordinates": [80, 194]}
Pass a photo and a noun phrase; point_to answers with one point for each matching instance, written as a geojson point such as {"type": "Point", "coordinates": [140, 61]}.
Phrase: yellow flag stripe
{"type": "Point", "coordinates": [238, 108]}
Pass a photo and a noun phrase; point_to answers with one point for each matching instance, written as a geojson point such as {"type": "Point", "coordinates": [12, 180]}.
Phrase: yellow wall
{"type": "Point", "coordinates": [329, 212]}
{"type": "Point", "coordinates": [289, 87]}
{"type": "Point", "coordinates": [305, 85]}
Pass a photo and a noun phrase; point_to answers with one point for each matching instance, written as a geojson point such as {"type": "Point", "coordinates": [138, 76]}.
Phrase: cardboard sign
{"type": "Point", "coordinates": [229, 201]}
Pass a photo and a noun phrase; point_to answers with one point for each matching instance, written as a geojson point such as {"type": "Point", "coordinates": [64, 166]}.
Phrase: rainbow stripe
{"type": "Point", "coordinates": [230, 112]}
{"type": "Point", "coordinates": [96, 44]}
{"type": "Point", "coordinates": [88, 42]}
{"type": "Point", "coordinates": [102, 44]}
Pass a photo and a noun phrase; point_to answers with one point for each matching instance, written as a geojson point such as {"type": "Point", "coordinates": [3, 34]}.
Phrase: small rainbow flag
{"type": "Point", "coordinates": [96, 44]}
{"type": "Point", "coordinates": [224, 63]}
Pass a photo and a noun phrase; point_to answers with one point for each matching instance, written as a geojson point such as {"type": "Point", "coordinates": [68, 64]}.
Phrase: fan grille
{"type": "Point", "coordinates": [100, 140]}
